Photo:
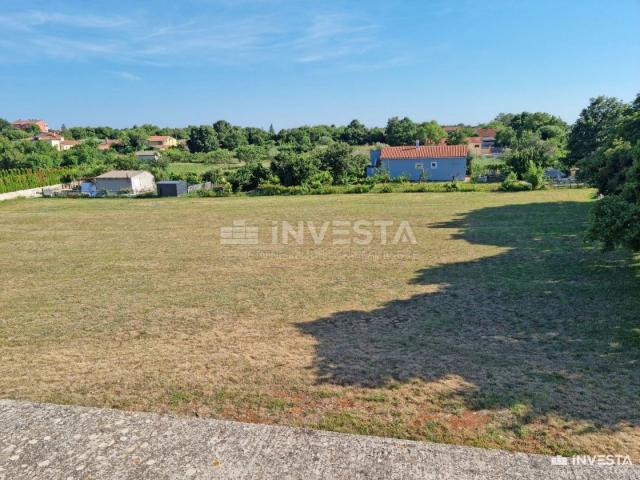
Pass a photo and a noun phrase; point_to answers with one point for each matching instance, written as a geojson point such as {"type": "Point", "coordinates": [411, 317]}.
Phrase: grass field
{"type": "Point", "coordinates": [499, 328]}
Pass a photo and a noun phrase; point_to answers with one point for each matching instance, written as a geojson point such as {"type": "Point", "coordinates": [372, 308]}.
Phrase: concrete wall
{"type": "Point", "coordinates": [29, 193]}
{"type": "Point", "coordinates": [435, 169]}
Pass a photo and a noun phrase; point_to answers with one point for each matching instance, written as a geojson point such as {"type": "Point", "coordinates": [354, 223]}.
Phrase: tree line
{"type": "Point", "coordinates": [603, 144]}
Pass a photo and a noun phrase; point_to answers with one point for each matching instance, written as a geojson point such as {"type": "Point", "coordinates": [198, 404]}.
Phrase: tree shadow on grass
{"type": "Point", "coordinates": [548, 323]}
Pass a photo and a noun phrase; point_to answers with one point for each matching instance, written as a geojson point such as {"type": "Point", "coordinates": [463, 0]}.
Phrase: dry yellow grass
{"type": "Point", "coordinates": [500, 328]}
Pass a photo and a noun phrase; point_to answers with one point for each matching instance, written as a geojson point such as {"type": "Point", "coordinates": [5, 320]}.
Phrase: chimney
{"type": "Point", "coordinates": [417, 143]}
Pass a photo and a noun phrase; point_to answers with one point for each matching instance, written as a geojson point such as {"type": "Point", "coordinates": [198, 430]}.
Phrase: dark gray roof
{"type": "Point", "coordinates": [121, 174]}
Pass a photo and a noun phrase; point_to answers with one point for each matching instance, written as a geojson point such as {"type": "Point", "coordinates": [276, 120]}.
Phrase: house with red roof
{"type": "Point", "coordinates": [68, 144]}
{"type": "Point", "coordinates": [419, 163]}
{"type": "Point", "coordinates": [50, 138]}
{"type": "Point", "coordinates": [25, 124]}
{"type": "Point", "coordinates": [486, 137]}
{"type": "Point", "coordinates": [162, 142]}
{"type": "Point", "coordinates": [107, 143]}
{"type": "Point", "coordinates": [475, 145]}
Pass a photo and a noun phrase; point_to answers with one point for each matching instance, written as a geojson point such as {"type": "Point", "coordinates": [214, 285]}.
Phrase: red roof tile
{"type": "Point", "coordinates": [474, 139]}
{"type": "Point", "coordinates": [48, 136]}
{"type": "Point", "coordinates": [486, 132]}
{"type": "Point", "coordinates": [429, 151]}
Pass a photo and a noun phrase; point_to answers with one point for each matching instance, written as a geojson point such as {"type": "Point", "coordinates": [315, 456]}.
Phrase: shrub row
{"type": "Point", "coordinates": [21, 179]}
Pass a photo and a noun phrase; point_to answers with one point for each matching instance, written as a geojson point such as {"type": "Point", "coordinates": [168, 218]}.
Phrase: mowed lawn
{"type": "Point", "coordinates": [499, 328]}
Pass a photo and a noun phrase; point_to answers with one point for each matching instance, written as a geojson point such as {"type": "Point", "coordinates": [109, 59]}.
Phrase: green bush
{"type": "Point", "coordinates": [386, 188]}
{"type": "Point", "coordinates": [615, 222]}
{"type": "Point", "coordinates": [248, 177]}
{"type": "Point", "coordinates": [269, 189]}
{"type": "Point", "coordinates": [214, 175]}
{"type": "Point", "coordinates": [512, 184]}
{"type": "Point", "coordinates": [481, 167]}
{"type": "Point", "coordinates": [248, 153]}
{"type": "Point", "coordinates": [320, 179]}
{"type": "Point", "coordinates": [219, 157]}
{"type": "Point", "coordinates": [360, 189]}
{"type": "Point", "coordinates": [401, 179]}
{"type": "Point", "coordinates": [534, 175]}
{"type": "Point", "coordinates": [294, 169]}
{"type": "Point", "coordinates": [381, 176]}
{"type": "Point", "coordinates": [21, 179]}
{"type": "Point", "coordinates": [217, 191]}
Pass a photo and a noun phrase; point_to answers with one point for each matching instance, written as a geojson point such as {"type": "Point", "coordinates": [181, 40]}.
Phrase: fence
{"type": "Point", "coordinates": [199, 186]}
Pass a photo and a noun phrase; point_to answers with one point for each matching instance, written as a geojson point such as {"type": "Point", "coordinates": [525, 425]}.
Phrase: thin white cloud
{"type": "Point", "coordinates": [333, 36]}
{"type": "Point", "coordinates": [35, 18]}
{"type": "Point", "coordinates": [223, 40]}
{"type": "Point", "coordinates": [131, 77]}
{"type": "Point", "coordinates": [65, 48]}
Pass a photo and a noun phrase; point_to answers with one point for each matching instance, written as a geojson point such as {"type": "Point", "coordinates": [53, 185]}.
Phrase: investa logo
{"type": "Point", "coordinates": [343, 232]}
{"type": "Point", "coordinates": [592, 460]}
{"type": "Point", "coordinates": [336, 232]}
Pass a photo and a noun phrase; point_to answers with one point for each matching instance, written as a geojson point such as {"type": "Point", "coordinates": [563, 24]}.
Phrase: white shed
{"type": "Point", "coordinates": [130, 181]}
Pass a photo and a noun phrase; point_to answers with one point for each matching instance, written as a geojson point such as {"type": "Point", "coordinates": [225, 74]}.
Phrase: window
{"type": "Point", "coordinates": [419, 166]}
{"type": "Point", "coordinates": [434, 164]}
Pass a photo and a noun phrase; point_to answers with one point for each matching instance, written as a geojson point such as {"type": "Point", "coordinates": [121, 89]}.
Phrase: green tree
{"type": "Point", "coordinates": [594, 127]}
{"type": "Point", "coordinates": [614, 167]}
{"type": "Point", "coordinates": [293, 168]}
{"type": "Point", "coordinates": [134, 140]}
{"type": "Point", "coordinates": [257, 136]}
{"type": "Point", "coordinates": [375, 135]}
{"type": "Point", "coordinates": [430, 133]}
{"type": "Point", "coordinates": [355, 133]}
{"type": "Point", "coordinates": [457, 137]}
{"type": "Point", "coordinates": [530, 150]}
{"type": "Point", "coordinates": [339, 160]}
{"type": "Point", "coordinates": [84, 154]}
{"type": "Point", "coordinates": [506, 137]}
{"type": "Point", "coordinates": [230, 137]}
{"type": "Point", "coordinates": [202, 139]}
{"type": "Point", "coordinates": [248, 177]}
{"type": "Point", "coordinates": [401, 131]}
{"type": "Point", "coordinates": [247, 153]}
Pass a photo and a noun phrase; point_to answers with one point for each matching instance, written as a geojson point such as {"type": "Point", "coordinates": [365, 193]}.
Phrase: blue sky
{"type": "Point", "coordinates": [257, 62]}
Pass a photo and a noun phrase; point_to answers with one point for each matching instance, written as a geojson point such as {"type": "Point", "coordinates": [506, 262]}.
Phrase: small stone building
{"type": "Point", "coordinates": [134, 182]}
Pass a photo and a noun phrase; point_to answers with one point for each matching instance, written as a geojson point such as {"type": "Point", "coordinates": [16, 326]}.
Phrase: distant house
{"type": "Point", "coordinates": [68, 144]}
{"type": "Point", "coordinates": [437, 162]}
{"type": "Point", "coordinates": [25, 124]}
{"type": "Point", "coordinates": [135, 182]}
{"type": "Point", "coordinates": [148, 156]}
{"type": "Point", "coordinates": [107, 143]}
{"type": "Point", "coordinates": [475, 145]}
{"type": "Point", "coordinates": [50, 138]}
{"type": "Point", "coordinates": [162, 142]}
{"type": "Point", "coordinates": [488, 136]}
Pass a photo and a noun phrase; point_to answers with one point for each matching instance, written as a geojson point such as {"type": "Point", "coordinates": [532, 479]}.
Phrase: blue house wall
{"type": "Point", "coordinates": [435, 169]}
